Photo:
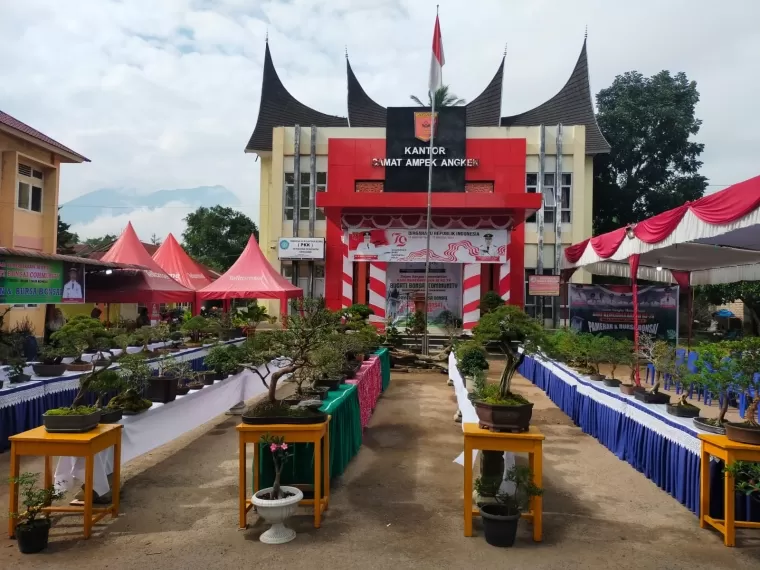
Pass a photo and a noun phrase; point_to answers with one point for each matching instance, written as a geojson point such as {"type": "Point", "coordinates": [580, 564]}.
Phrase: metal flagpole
{"type": "Point", "coordinates": [433, 124]}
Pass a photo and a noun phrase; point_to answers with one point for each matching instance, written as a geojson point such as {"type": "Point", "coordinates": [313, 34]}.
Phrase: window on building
{"type": "Point", "coordinates": [531, 187]}
{"type": "Point", "coordinates": [30, 182]}
{"type": "Point", "coordinates": [286, 270]}
{"type": "Point", "coordinates": [564, 204]}
{"type": "Point", "coordinates": [305, 192]}
{"type": "Point", "coordinates": [549, 189]}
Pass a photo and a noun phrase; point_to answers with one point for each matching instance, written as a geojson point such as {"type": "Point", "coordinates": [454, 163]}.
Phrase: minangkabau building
{"type": "Point", "coordinates": [343, 199]}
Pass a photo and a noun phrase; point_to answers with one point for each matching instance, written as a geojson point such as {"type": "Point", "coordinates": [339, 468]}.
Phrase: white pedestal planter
{"type": "Point", "coordinates": [276, 512]}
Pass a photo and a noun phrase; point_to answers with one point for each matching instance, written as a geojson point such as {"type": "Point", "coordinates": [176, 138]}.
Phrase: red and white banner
{"type": "Point", "coordinates": [446, 246]}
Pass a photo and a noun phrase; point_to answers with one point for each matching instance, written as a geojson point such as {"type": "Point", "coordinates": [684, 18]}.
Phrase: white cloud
{"type": "Point", "coordinates": [164, 94]}
{"type": "Point", "coordinates": [161, 221]}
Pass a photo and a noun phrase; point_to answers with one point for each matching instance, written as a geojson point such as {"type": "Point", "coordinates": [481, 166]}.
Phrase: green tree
{"type": "Point", "coordinates": [155, 240]}
{"type": "Point", "coordinates": [217, 236]}
{"type": "Point", "coordinates": [747, 292]}
{"type": "Point", "coordinates": [66, 239]}
{"type": "Point", "coordinates": [100, 242]}
{"type": "Point", "coordinates": [443, 98]}
{"type": "Point", "coordinates": [653, 165]}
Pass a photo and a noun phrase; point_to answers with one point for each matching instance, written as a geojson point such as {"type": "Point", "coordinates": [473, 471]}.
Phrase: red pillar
{"type": "Point", "coordinates": [333, 260]}
{"type": "Point", "coordinates": [516, 255]}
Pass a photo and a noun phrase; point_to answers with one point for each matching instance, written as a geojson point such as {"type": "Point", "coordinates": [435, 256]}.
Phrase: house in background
{"type": "Point", "coordinates": [30, 173]}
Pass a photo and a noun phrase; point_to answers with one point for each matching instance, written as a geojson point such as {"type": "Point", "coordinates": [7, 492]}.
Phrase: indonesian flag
{"type": "Point", "coordinates": [437, 60]}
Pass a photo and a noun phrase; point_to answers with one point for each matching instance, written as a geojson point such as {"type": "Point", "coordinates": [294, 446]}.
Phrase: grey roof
{"type": "Point", "coordinates": [362, 109]}
{"type": "Point", "coordinates": [483, 111]}
{"type": "Point", "coordinates": [571, 106]}
{"type": "Point", "coordinates": [278, 108]}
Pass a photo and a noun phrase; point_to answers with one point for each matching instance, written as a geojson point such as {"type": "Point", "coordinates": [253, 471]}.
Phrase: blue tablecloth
{"type": "Point", "coordinates": [39, 395]}
{"type": "Point", "coordinates": [660, 447]}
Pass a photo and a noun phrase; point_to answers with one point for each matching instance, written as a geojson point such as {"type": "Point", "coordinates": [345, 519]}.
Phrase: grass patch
{"type": "Point", "coordinates": [78, 411]}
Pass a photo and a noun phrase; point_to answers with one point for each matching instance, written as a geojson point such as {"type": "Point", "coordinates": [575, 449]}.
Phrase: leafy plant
{"type": "Point", "coordinates": [224, 359]}
{"type": "Point", "coordinates": [82, 331]}
{"type": "Point", "coordinates": [102, 384]}
{"type": "Point", "coordinates": [416, 325]}
{"type": "Point", "coordinates": [471, 358]}
{"type": "Point", "coordinates": [450, 323]}
{"type": "Point", "coordinates": [510, 328]}
{"type": "Point", "coordinates": [490, 302]}
{"type": "Point", "coordinates": [391, 336]}
{"type": "Point", "coordinates": [514, 502]}
{"type": "Point", "coordinates": [135, 371]}
{"type": "Point", "coordinates": [195, 327]}
{"type": "Point", "coordinates": [51, 354]}
{"type": "Point", "coordinates": [746, 354]}
{"type": "Point", "coordinates": [33, 499]}
{"type": "Point", "coordinates": [280, 456]}
{"type": "Point", "coordinates": [252, 315]}
{"type": "Point", "coordinates": [746, 477]}
{"type": "Point", "coordinates": [175, 368]}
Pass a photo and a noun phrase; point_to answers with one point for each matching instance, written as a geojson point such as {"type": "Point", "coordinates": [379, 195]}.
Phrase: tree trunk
{"type": "Point", "coordinates": [275, 377]}
{"type": "Point", "coordinates": [750, 416]}
{"type": "Point", "coordinates": [723, 410]}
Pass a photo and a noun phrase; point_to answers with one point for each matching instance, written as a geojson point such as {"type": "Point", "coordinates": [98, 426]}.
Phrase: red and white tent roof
{"type": "Point", "coordinates": [715, 239]}
{"type": "Point", "coordinates": [250, 277]}
{"type": "Point", "coordinates": [180, 266]}
{"type": "Point", "coordinates": [151, 285]}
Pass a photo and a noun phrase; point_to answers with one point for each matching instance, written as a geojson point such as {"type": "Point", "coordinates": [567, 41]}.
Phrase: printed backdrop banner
{"type": "Point", "coordinates": [405, 279]}
{"type": "Point", "coordinates": [608, 309]}
{"type": "Point", "coordinates": [28, 280]}
{"type": "Point", "coordinates": [446, 246]}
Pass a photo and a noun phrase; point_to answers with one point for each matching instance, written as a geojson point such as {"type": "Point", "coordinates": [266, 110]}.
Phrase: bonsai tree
{"type": "Point", "coordinates": [135, 374]}
{"type": "Point", "coordinates": [746, 353]}
{"type": "Point", "coordinates": [661, 354]}
{"type": "Point", "coordinates": [511, 503]}
{"type": "Point", "coordinates": [509, 327]}
{"type": "Point", "coordinates": [415, 326]}
{"type": "Point", "coordinates": [616, 352]}
{"type": "Point", "coordinates": [195, 327]}
{"type": "Point", "coordinates": [174, 368]}
{"type": "Point", "coordinates": [223, 359]}
{"type": "Point", "coordinates": [162, 332]}
{"type": "Point", "coordinates": [102, 384]}
{"type": "Point", "coordinates": [490, 302]}
{"type": "Point", "coordinates": [471, 358]}
{"type": "Point", "coordinates": [33, 517]}
{"type": "Point", "coordinates": [252, 315]}
{"type": "Point", "coordinates": [357, 314]}
{"type": "Point", "coordinates": [450, 324]}
{"type": "Point", "coordinates": [82, 331]}
{"type": "Point", "coordinates": [51, 354]}
{"type": "Point", "coordinates": [597, 351]}
{"type": "Point", "coordinates": [277, 353]}
{"type": "Point", "coordinates": [391, 337]}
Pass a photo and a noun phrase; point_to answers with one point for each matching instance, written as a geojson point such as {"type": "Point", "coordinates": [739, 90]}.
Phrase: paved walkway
{"type": "Point", "coordinates": [398, 506]}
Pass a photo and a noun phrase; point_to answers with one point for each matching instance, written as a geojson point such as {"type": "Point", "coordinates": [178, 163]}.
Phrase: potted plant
{"type": "Point", "coordinates": [251, 316]}
{"type": "Point", "coordinates": [516, 334]}
{"type": "Point", "coordinates": [82, 335]}
{"type": "Point", "coordinates": [135, 373]}
{"type": "Point", "coordinates": [274, 354]}
{"type": "Point", "coordinates": [16, 374]}
{"type": "Point", "coordinates": [416, 326]}
{"type": "Point", "coordinates": [746, 476]}
{"type": "Point", "coordinates": [276, 504]}
{"type": "Point", "coordinates": [102, 384]}
{"type": "Point", "coordinates": [471, 359]}
{"type": "Point", "coordinates": [746, 354]}
{"type": "Point", "coordinates": [51, 365]}
{"type": "Point", "coordinates": [596, 353]}
{"type": "Point", "coordinates": [714, 373]}
{"type": "Point", "coordinates": [500, 517]}
{"type": "Point", "coordinates": [221, 360]}
{"type": "Point", "coordinates": [616, 352]}
{"type": "Point", "coordinates": [683, 408]}
{"type": "Point", "coordinates": [32, 527]}
{"type": "Point", "coordinates": [195, 382]}
{"type": "Point", "coordinates": [162, 388]}
{"type": "Point", "coordinates": [632, 359]}
{"type": "Point", "coordinates": [195, 327]}
{"type": "Point", "coordinates": [663, 356]}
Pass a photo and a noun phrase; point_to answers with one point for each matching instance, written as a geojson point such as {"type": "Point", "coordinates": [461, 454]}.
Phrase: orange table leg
{"type": "Point", "coordinates": [326, 462]}
{"type": "Point", "coordinates": [536, 466]}
{"type": "Point", "coordinates": [241, 483]}
{"type": "Point", "coordinates": [704, 488]}
{"type": "Point", "coordinates": [729, 539]}
{"type": "Point", "coordinates": [48, 480]}
{"type": "Point", "coordinates": [467, 487]}
{"type": "Point", "coordinates": [13, 490]}
{"type": "Point", "coordinates": [88, 481]}
{"type": "Point", "coordinates": [116, 479]}
{"type": "Point", "coordinates": [256, 458]}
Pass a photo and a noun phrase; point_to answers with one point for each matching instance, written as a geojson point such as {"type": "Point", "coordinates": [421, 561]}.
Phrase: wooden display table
{"type": "Point", "coordinates": [530, 442]}
{"type": "Point", "coordinates": [293, 433]}
{"type": "Point", "coordinates": [729, 451]}
{"type": "Point", "coordinates": [39, 442]}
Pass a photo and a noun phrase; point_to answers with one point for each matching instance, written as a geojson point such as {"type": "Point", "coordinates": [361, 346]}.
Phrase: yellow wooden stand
{"type": "Point", "coordinates": [729, 451]}
{"type": "Point", "coordinates": [43, 444]}
{"type": "Point", "coordinates": [293, 433]}
{"type": "Point", "coordinates": [530, 442]}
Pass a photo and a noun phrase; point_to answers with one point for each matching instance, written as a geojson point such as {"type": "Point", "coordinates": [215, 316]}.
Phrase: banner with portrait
{"type": "Point", "coordinates": [27, 280]}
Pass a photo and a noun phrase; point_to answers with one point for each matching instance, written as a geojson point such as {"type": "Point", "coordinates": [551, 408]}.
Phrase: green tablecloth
{"type": "Point", "coordinates": [345, 441]}
{"type": "Point", "coordinates": [385, 365]}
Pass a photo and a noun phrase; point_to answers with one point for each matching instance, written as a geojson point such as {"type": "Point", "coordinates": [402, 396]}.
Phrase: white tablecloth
{"type": "Point", "coordinates": [161, 424]}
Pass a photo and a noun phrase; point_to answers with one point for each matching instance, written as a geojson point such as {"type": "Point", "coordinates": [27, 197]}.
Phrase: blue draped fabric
{"type": "Point", "coordinates": [28, 415]}
{"type": "Point", "coordinates": [670, 466]}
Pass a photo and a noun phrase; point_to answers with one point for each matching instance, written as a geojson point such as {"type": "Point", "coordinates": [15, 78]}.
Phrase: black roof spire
{"type": "Point", "coordinates": [571, 106]}
{"type": "Point", "coordinates": [278, 108]}
{"type": "Point", "coordinates": [485, 109]}
{"type": "Point", "coordinates": [363, 111]}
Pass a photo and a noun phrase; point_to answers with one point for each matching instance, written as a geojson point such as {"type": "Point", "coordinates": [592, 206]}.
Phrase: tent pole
{"type": "Point", "coordinates": [691, 320]}
{"type": "Point", "coordinates": [633, 262]}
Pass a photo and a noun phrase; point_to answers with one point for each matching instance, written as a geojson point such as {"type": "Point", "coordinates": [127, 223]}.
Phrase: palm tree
{"type": "Point", "coordinates": [443, 98]}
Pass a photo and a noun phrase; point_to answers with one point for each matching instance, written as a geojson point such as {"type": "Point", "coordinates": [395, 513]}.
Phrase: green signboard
{"type": "Point", "coordinates": [26, 280]}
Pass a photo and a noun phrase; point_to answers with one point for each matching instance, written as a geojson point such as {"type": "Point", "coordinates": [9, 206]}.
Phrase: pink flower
{"type": "Point", "coordinates": [284, 446]}
{"type": "Point", "coordinates": [273, 447]}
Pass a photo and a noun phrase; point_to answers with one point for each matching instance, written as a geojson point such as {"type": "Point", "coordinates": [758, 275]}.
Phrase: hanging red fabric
{"type": "Point", "coordinates": [633, 262]}
{"type": "Point", "coordinates": [658, 227]}
{"type": "Point", "coordinates": [730, 204]}
{"type": "Point", "coordinates": [574, 252]}
{"type": "Point", "coordinates": [607, 244]}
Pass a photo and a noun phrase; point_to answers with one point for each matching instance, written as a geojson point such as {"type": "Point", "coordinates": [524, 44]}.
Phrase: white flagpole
{"type": "Point", "coordinates": [433, 124]}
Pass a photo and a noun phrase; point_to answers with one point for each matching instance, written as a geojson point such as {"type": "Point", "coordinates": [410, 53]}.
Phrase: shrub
{"type": "Point", "coordinates": [471, 358]}
{"type": "Point", "coordinates": [490, 302]}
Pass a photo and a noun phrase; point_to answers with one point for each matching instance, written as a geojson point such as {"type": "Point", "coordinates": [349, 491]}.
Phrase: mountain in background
{"type": "Point", "coordinates": [117, 201]}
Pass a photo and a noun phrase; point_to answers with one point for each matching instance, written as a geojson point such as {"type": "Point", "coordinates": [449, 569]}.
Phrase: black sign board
{"type": "Point", "coordinates": [408, 151]}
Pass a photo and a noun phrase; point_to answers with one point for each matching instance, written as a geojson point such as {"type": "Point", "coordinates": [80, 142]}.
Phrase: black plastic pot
{"type": "Point", "coordinates": [597, 377]}
{"type": "Point", "coordinates": [209, 377]}
{"type": "Point", "coordinates": [499, 527]}
{"type": "Point", "coordinates": [19, 378]}
{"type": "Point", "coordinates": [331, 384]}
{"type": "Point", "coordinates": [71, 424]}
{"type": "Point", "coordinates": [49, 370]}
{"type": "Point", "coordinates": [611, 382]}
{"type": "Point", "coordinates": [196, 386]}
{"type": "Point", "coordinates": [108, 416]}
{"type": "Point", "coordinates": [33, 537]}
{"type": "Point", "coordinates": [703, 425]}
{"type": "Point", "coordinates": [162, 389]}
{"type": "Point", "coordinates": [682, 411]}
{"type": "Point", "coordinates": [649, 398]}
{"type": "Point", "coordinates": [182, 390]}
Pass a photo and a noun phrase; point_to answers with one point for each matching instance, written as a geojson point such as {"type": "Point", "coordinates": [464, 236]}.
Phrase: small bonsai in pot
{"type": "Point", "coordinates": [598, 346]}
{"type": "Point", "coordinates": [616, 352]}
{"type": "Point", "coordinates": [79, 417]}
{"type": "Point", "coordinates": [516, 334]}
{"type": "Point", "coordinates": [746, 476]}
{"type": "Point", "coordinates": [195, 328]}
{"type": "Point", "coordinates": [51, 365]}
{"type": "Point", "coordinates": [276, 504]}
{"type": "Point", "coordinates": [714, 373]}
{"type": "Point", "coordinates": [16, 374]}
{"type": "Point", "coordinates": [662, 355]}
{"type": "Point", "coordinates": [82, 334]}
{"type": "Point", "coordinates": [471, 359]}
{"type": "Point", "coordinates": [32, 525]}
{"type": "Point", "coordinates": [102, 384]}
{"type": "Point", "coordinates": [631, 359]}
{"type": "Point", "coordinates": [136, 374]}
{"type": "Point", "coordinates": [223, 360]}
{"type": "Point", "coordinates": [746, 354]}
{"type": "Point", "coordinates": [500, 517]}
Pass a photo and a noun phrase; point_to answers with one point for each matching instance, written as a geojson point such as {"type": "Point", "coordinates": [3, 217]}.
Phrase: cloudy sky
{"type": "Point", "coordinates": [164, 94]}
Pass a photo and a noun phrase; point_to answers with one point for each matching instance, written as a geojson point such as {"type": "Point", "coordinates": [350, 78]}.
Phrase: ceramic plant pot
{"type": "Point", "coordinates": [71, 424]}
{"type": "Point", "coordinates": [504, 418]}
{"type": "Point", "coordinates": [49, 370]}
{"type": "Point", "coordinates": [276, 512]}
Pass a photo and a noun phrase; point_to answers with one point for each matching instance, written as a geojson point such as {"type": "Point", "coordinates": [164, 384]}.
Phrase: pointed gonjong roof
{"type": "Point", "coordinates": [483, 111]}
{"type": "Point", "coordinates": [571, 106]}
{"type": "Point", "coordinates": [278, 108]}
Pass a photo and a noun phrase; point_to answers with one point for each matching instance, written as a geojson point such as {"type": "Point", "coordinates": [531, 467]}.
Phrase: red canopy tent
{"type": "Point", "coordinates": [180, 266]}
{"type": "Point", "coordinates": [151, 285]}
{"type": "Point", "coordinates": [251, 277]}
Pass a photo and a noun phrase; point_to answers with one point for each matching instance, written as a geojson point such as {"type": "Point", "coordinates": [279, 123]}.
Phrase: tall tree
{"type": "Point", "coordinates": [217, 236]}
{"type": "Point", "coordinates": [100, 242]}
{"type": "Point", "coordinates": [66, 239]}
{"type": "Point", "coordinates": [653, 165]}
{"type": "Point", "coordinates": [155, 240]}
{"type": "Point", "coordinates": [443, 98]}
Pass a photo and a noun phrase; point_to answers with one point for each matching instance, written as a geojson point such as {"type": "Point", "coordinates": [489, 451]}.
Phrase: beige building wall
{"type": "Point", "coordinates": [274, 165]}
